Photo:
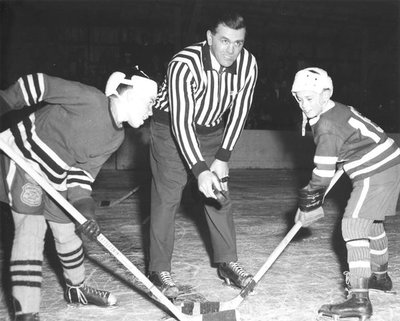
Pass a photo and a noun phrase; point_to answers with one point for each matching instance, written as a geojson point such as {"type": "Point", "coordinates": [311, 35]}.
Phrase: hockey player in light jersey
{"type": "Point", "coordinates": [68, 140]}
{"type": "Point", "coordinates": [343, 137]}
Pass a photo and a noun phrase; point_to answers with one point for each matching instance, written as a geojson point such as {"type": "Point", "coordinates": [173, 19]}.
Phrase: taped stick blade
{"type": "Point", "coordinates": [104, 203]}
{"type": "Point", "coordinates": [195, 308]}
{"type": "Point", "coordinates": [229, 315]}
{"type": "Point", "coordinates": [108, 203]}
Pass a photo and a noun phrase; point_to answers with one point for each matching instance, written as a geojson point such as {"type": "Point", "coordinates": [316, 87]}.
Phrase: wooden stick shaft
{"type": "Point", "coordinates": [20, 161]}
{"type": "Point", "coordinates": [113, 203]}
{"type": "Point", "coordinates": [278, 250]}
{"type": "Point", "coordinates": [107, 203]}
{"type": "Point", "coordinates": [282, 245]}
{"type": "Point", "coordinates": [236, 301]}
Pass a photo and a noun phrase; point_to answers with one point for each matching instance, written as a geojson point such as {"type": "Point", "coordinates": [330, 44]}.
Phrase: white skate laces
{"type": "Point", "coordinates": [163, 281]}
{"type": "Point", "coordinates": [237, 268]}
{"type": "Point", "coordinates": [80, 297]}
{"type": "Point", "coordinates": [347, 278]}
{"type": "Point", "coordinates": [234, 274]}
{"type": "Point", "coordinates": [348, 284]}
{"type": "Point", "coordinates": [84, 294]}
{"type": "Point", "coordinates": [166, 278]}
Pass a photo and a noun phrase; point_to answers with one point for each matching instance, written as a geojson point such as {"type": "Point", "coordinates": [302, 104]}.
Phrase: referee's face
{"type": "Point", "coordinates": [226, 44]}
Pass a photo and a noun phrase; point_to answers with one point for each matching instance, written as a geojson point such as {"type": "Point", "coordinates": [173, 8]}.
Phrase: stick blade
{"type": "Point", "coordinates": [209, 311]}
{"type": "Point", "coordinates": [108, 203]}
{"type": "Point", "coordinates": [229, 315]}
{"type": "Point", "coordinates": [195, 308]}
{"type": "Point", "coordinates": [104, 203]}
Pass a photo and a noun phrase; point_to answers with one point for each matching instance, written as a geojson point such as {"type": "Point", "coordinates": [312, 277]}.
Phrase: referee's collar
{"type": "Point", "coordinates": [207, 62]}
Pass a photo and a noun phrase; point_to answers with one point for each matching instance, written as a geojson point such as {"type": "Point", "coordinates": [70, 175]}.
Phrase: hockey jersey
{"type": "Point", "coordinates": [69, 138]}
{"type": "Point", "coordinates": [343, 135]}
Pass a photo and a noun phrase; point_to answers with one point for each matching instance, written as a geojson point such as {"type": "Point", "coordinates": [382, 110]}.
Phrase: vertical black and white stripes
{"type": "Point", "coordinates": [196, 95]}
{"type": "Point", "coordinates": [32, 87]}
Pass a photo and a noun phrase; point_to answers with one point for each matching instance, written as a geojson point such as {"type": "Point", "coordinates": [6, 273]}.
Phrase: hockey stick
{"type": "Point", "coordinates": [107, 203]}
{"type": "Point", "coordinates": [204, 307]}
{"type": "Point", "coordinates": [226, 315]}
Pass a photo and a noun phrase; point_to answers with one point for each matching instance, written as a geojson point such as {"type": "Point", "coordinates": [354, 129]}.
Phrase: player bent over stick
{"type": "Point", "coordinates": [372, 161]}
{"type": "Point", "coordinates": [67, 141]}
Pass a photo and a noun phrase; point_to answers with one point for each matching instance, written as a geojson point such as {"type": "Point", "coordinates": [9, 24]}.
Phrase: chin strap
{"type": "Point", "coordinates": [303, 125]}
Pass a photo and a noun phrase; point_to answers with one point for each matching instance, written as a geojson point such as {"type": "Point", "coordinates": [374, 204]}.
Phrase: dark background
{"type": "Point", "coordinates": [357, 42]}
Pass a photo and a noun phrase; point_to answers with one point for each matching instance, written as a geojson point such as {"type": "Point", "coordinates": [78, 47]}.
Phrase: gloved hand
{"type": "Point", "coordinates": [90, 228]}
{"type": "Point", "coordinates": [86, 207]}
{"type": "Point", "coordinates": [307, 218]}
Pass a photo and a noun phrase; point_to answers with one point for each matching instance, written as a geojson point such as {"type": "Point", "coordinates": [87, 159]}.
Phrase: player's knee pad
{"type": "Point", "coordinates": [377, 230]}
{"type": "Point", "coordinates": [66, 241]}
{"type": "Point", "coordinates": [63, 232]}
{"type": "Point", "coordinates": [29, 226]}
{"type": "Point", "coordinates": [28, 240]}
{"type": "Point", "coordinates": [355, 228]}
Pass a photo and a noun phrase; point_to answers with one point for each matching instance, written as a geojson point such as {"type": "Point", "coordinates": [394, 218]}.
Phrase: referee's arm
{"type": "Point", "coordinates": [238, 115]}
{"type": "Point", "coordinates": [182, 109]}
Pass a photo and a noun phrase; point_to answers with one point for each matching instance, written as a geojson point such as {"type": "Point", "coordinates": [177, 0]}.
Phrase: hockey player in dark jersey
{"type": "Point", "coordinates": [68, 139]}
{"type": "Point", "coordinates": [344, 138]}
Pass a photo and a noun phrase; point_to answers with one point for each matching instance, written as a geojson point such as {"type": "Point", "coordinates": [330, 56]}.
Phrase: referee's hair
{"type": "Point", "coordinates": [231, 19]}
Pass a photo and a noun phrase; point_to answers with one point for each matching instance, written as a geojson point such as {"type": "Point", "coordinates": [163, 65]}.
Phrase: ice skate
{"type": "Point", "coordinates": [358, 304]}
{"type": "Point", "coordinates": [234, 274]}
{"type": "Point", "coordinates": [163, 281]}
{"type": "Point", "coordinates": [27, 317]}
{"type": "Point", "coordinates": [381, 283]}
{"type": "Point", "coordinates": [83, 294]}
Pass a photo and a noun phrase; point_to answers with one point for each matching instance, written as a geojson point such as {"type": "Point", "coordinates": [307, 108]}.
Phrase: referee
{"type": "Point", "coordinates": [198, 117]}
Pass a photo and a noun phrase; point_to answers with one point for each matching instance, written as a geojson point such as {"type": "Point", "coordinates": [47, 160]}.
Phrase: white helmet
{"type": "Point", "coordinates": [135, 104]}
{"type": "Point", "coordinates": [312, 79]}
{"type": "Point", "coordinates": [143, 85]}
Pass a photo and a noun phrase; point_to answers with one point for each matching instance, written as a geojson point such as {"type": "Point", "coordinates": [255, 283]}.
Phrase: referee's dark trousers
{"type": "Point", "coordinates": [170, 175]}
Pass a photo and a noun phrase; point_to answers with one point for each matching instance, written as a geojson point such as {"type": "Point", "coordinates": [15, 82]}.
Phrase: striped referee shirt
{"type": "Point", "coordinates": [196, 95]}
{"type": "Point", "coordinates": [69, 138]}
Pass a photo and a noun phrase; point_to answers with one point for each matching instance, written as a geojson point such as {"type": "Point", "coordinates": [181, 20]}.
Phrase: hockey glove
{"type": "Point", "coordinates": [308, 218]}
{"type": "Point", "coordinates": [310, 199]}
{"type": "Point", "coordinates": [90, 228]}
{"type": "Point", "coordinates": [310, 206]}
{"type": "Point", "coordinates": [86, 207]}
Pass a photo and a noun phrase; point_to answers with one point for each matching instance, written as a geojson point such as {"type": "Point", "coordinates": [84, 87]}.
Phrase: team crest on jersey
{"type": "Point", "coordinates": [31, 194]}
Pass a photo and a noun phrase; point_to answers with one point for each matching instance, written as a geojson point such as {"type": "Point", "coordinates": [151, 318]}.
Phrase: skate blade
{"type": "Point", "coordinates": [90, 306]}
{"type": "Point", "coordinates": [230, 284]}
{"type": "Point", "coordinates": [336, 317]}
{"type": "Point", "coordinates": [235, 287]}
{"type": "Point", "coordinates": [324, 317]}
{"type": "Point", "coordinates": [375, 291]}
